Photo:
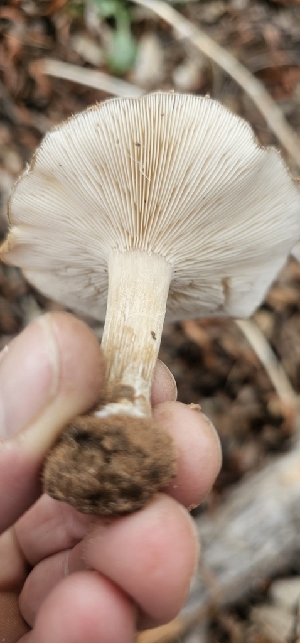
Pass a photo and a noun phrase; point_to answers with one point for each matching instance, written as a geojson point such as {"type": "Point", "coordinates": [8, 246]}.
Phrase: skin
{"type": "Point", "coordinates": [68, 577]}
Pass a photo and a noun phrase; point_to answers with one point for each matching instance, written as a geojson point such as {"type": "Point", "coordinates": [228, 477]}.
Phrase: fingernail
{"type": "Point", "coordinates": [28, 376]}
{"type": "Point", "coordinates": [164, 385]}
{"type": "Point", "coordinates": [171, 378]}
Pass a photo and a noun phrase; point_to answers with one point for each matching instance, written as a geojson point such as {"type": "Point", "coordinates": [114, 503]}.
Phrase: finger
{"type": "Point", "coordinates": [199, 455]}
{"type": "Point", "coordinates": [28, 638]}
{"type": "Point", "coordinates": [13, 571]}
{"type": "Point", "coordinates": [12, 624]}
{"type": "Point", "coordinates": [44, 578]}
{"type": "Point", "coordinates": [85, 607]}
{"type": "Point", "coordinates": [49, 527]}
{"type": "Point", "coordinates": [50, 373]}
{"type": "Point", "coordinates": [151, 555]}
{"type": "Point", "coordinates": [14, 567]}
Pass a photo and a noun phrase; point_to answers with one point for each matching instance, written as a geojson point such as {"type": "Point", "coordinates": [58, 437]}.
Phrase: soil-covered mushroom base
{"type": "Point", "coordinates": [108, 466]}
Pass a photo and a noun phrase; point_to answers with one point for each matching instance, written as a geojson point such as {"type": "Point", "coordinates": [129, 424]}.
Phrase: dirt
{"type": "Point", "coordinates": [111, 467]}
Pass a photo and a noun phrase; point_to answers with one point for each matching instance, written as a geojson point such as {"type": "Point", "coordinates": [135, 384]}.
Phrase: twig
{"type": "Point", "coordinates": [165, 633]}
{"type": "Point", "coordinates": [88, 77]}
{"type": "Point", "coordinates": [264, 352]}
{"type": "Point", "coordinates": [180, 626]}
{"type": "Point", "coordinates": [253, 87]}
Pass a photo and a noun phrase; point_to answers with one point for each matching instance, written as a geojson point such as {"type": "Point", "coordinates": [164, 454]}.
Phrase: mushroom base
{"type": "Point", "coordinates": [109, 466]}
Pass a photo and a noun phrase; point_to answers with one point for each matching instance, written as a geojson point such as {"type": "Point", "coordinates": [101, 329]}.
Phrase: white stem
{"type": "Point", "coordinates": [136, 306]}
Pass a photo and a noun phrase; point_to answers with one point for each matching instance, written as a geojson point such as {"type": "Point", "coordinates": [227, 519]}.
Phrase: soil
{"type": "Point", "coordinates": [109, 468]}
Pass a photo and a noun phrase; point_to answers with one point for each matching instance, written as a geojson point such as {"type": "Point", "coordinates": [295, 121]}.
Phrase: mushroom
{"type": "Point", "coordinates": [143, 207]}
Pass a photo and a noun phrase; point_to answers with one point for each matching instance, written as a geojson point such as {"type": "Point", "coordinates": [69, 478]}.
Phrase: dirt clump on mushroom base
{"type": "Point", "coordinates": [113, 471]}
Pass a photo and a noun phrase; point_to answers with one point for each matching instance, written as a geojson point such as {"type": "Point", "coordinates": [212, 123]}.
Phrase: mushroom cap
{"type": "Point", "coordinates": [171, 174]}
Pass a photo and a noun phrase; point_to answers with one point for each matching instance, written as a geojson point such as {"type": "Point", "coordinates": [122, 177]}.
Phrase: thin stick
{"type": "Point", "coordinates": [264, 352]}
{"type": "Point", "coordinates": [226, 61]}
{"type": "Point", "coordinates": [191, 615]}
{"type": "Point", "coordinates": [89, 78]}
{"type": "Point", "coordinates": [165, 633]}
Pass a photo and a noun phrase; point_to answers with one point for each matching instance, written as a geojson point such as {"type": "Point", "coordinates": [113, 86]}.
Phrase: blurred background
{"type": "Point", "coordinates": [59, 56]}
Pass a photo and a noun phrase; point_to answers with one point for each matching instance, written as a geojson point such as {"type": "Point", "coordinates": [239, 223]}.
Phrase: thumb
{"type": "Point", "coordinates": [48, 374]}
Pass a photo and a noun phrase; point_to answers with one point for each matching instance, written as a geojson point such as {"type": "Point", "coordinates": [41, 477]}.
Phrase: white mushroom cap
{"type": "Point", "coordinates": [174, 175]}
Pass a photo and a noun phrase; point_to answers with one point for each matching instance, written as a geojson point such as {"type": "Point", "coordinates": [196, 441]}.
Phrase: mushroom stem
{"type": "Point", "coordinates": [136, 306]}
{"type": "Point", "coordinates": [113, 460]}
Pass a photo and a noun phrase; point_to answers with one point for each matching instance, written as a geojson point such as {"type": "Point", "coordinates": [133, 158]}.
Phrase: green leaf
{"type": "Point", "coordinates": [107, 8]}
{"type": "Point", "coordinates": [122, 51]}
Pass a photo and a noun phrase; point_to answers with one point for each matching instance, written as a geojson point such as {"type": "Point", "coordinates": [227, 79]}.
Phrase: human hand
{"type": "Point", "coordinates": [68, 577]}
